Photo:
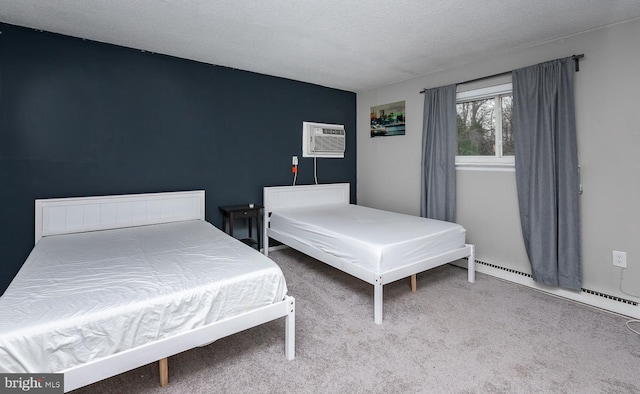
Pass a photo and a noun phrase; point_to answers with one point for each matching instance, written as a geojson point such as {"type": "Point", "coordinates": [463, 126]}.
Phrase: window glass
{"type": "Point", "coordinates": [506, 105]}
{"type": "Point", "coordinates": [476, 128]}
{"type": "Point", "coordinates": [485, 131]}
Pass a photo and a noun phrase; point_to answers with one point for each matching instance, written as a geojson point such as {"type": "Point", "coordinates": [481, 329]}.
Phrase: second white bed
{"type": "Point", "coordinates": [376, 246]}
{"type": "Point", "coordinates": [375, 240]}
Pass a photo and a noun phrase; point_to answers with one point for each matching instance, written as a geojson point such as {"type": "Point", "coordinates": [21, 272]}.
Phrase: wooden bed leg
{"type": "Point", "coordinates": [163, 365]}
{"type": "Point", "coordinates": [414, 285]}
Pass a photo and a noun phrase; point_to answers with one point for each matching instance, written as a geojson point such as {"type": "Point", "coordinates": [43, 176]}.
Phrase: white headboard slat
{"type": "Point", "coordinates": [79, 214]}
{"type": "Point", "coordinates": [305, 195]}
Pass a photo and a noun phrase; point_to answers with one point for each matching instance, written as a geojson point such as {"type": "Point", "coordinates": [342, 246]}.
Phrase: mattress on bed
{"type": "Point", "coordinates": [79, 297]}
{"type": "Point", "coordinates": [371, 238]}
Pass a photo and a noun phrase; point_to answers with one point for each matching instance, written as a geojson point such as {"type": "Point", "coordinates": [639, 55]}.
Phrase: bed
{"type": "Point", "coordinates": [376, 246]}
{"type": "Point", "coordinates": [117, 282]}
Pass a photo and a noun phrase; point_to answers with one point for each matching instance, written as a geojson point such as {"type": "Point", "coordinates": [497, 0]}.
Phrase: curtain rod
{"type": "Point", "coordinates": [576, 59]}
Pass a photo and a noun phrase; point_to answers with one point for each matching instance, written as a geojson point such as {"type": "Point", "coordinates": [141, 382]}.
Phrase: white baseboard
{"type": "Point", "coordinates": [593, 300]}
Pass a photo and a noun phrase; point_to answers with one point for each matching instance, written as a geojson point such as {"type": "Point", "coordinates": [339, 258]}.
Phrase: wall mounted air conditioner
{"type": "Point", "coordinates": [323, 140]}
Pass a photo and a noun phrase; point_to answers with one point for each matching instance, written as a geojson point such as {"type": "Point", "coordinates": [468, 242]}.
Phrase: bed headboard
{"type": "Point", "coordinates": [305, 195]}
{"type": "Point", "coordinates": [80, 214]}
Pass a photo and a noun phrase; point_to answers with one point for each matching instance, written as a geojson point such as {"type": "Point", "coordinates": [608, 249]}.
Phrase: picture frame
{"type": "Point", "coordinates": [388, 120]}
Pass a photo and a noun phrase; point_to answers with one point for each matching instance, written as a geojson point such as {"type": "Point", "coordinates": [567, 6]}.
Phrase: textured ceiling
{"type": "Point", "coordinates": [344, 44]}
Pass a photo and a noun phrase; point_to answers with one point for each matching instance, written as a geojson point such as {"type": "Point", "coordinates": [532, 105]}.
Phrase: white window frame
{"type": "Point", "coordinates": [487, 162]}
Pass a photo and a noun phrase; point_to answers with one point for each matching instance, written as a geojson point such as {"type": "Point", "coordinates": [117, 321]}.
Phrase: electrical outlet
{"type": "Point", "coordinates": [619, 258]}
{"type": "Point", "coordinates": [294, 160]}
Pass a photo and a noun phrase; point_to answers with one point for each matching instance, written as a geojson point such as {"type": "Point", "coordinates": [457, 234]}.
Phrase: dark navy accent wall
{"type": "Point", "coordinates": [81, 118]}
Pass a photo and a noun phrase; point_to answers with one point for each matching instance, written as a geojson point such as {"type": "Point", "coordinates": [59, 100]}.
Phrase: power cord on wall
{"type": "Point", "coordinates": [315, 170]}
{"type": "Point", "coordinates": [294, 169]}
{"type": "Point", "coordinates": [620, 285]}
{"type": "Point", "coordinates": [629, 294]}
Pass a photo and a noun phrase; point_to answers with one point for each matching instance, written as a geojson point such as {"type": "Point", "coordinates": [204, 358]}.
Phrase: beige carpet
{"type": "Point", "coordinates": [450, 336]}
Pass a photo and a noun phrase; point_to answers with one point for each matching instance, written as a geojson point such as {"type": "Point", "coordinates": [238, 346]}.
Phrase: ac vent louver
{"type": "Point", "coordinates": [323, 140]}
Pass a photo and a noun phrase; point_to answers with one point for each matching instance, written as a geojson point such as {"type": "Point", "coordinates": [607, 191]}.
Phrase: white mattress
{"type": "Point", "coordinates": [376, 240]}
{"type": "Point", "coordinates": [79, 297]}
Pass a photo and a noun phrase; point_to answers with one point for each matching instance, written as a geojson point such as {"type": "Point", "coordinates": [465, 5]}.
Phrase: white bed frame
{"type": "Point", "coordinates": [73, 215]}
{"type": "Point", "coordinates": [309, 195]}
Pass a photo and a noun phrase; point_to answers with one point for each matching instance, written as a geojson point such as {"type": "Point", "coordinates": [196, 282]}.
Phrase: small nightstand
{"type": "Point", "coordinates": [233, 212]}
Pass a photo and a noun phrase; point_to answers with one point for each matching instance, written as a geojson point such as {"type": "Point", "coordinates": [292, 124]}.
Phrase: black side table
{"type": "Point", "coordinates": [249, 212]}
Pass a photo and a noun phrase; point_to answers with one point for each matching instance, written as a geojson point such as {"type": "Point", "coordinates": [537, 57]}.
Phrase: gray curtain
{"type": "Point", "coordinates": [547, 176]}
{"type": "Point", "coordinates": [439, 138]}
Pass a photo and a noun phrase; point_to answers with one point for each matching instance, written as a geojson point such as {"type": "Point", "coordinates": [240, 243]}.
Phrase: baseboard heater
{"type": "Point", "coordinates": [588, 291]}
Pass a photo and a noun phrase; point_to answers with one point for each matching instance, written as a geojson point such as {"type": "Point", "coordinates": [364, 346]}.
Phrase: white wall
{"type": "Point", "coordinates": [608, 125]}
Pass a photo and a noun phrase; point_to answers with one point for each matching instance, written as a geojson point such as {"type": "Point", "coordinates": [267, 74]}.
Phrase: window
{"type": "Point", "coordinates": [485, 134]}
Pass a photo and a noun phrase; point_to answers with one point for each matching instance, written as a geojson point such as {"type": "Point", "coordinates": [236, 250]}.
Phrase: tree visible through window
{"type": "Point", "coordinates": [485, 128]}
{"type": "Point", "coordinates": [506, 105]}
{"type": "Point", "coordinates": [476, 128]}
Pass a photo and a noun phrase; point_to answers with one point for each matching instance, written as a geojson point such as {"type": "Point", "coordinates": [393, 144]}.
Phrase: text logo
{"type": "Point", "coordinates": [45, 383]}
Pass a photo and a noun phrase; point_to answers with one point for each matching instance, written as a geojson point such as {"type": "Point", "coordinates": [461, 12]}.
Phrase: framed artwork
{"type": "Point", "coordinates": [387, 120]}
